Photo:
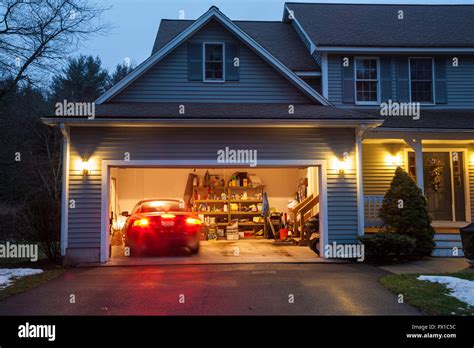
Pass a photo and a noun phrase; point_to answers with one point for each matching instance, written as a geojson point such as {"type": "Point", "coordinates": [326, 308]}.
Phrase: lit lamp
{"type": "Point", "coordinates": [85, 168]}
{"type": "Point", "coordinates": [394, 160]}
{"type": "Point", "coordinates": [342, 165]}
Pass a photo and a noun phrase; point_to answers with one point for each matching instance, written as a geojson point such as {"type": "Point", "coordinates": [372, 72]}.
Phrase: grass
{"type": "Point", "coordinates": [22, 284]}
{"type": "Point", "coordinates": [430, 298]}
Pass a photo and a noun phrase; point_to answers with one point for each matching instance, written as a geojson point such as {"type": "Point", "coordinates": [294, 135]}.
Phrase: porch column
{"type": "Point", "coordinates": [417, 146]}
{"type": "Point", "coordinates": [360, 183]}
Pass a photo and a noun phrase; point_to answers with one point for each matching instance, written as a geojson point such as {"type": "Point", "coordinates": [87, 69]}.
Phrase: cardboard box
{"type": "Point", "coordinates": [232, 236]}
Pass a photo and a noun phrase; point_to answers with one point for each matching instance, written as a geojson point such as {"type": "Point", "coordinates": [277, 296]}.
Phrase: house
{"type": "Point", "coordinates": [341, 94]}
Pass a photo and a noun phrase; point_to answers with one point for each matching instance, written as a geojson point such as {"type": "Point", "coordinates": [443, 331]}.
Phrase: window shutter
{"type": "Point", "coordinates": [440, 80]}
{"type": "Point", "coordinates": [232, 72]}
{"type": "Point", "coordinates": [385, 78]}
{"type": "Point", "coordinates": [195, 61]}
{"type": "Point", "coordinates": [348, 86]}
{"type": "Point", "coordinates": [402, 80]}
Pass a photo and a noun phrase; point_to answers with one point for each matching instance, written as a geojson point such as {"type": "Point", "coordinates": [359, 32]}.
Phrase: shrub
{"type": "Point", "coordinates": [405, 212]}
{"type": "Point", "coordinates": [388, 244]}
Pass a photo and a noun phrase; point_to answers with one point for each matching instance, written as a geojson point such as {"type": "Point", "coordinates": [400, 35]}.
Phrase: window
{"type": "Point", "coordinates": [366, 80]}
{"type": "Point", "coordinates": [421, 80]}
{"type": "Point", "coordinates": [213, 62]}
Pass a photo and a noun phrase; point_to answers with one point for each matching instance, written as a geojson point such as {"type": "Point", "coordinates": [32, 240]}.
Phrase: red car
{"type": "Point", "coordinates": [161, 225]}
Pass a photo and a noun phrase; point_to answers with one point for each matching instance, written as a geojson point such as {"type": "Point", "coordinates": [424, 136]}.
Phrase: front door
{"type": "Point", "coordinates": [437, 179]}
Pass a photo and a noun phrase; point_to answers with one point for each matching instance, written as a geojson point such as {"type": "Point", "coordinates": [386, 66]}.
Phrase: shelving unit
{"type": "Point", "coordinates": [217, 205]}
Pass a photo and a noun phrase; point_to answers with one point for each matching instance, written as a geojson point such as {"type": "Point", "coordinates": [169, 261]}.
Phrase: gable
{"type": "Point", "coordinates": [167, 80]}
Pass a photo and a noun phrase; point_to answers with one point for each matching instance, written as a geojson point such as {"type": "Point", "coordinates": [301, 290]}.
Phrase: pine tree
{"type": "Point", "coordinates": [405, 211]}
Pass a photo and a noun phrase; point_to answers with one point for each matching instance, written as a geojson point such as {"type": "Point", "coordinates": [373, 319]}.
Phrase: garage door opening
{"type": "Point", "coordinates": [257, 214]}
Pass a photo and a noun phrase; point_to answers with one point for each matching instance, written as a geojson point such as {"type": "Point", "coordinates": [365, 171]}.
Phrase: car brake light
{"type": "Point", "coordinates": [168, 216]}
{"type": "Point", "coordinates": [141, 223]}
{"type": "Point", "coordinates": [193, 221]}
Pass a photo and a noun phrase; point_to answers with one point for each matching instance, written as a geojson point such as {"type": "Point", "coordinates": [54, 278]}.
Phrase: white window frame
{"type": "Point", "coordinates": [362, 102]}
{"type": "Point", "coordinates": [433, 90]}
{"type": "Point", "coordinates": [204, 61]}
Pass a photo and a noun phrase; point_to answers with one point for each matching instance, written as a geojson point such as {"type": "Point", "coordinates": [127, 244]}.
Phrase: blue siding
{"type": "Point", "coordinates": [168, 81]}
{"type": "Point", "coordinates": [460, 82]}
{"type": "Point", "coordinates": [182, 143]}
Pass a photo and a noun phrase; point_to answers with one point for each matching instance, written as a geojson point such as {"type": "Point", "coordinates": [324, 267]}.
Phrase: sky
{"type": "Point", "coordinates": [133, 24]}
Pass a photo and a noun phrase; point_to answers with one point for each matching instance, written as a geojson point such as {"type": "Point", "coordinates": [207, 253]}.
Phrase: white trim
{"type": "Point", "coordinates": [213, 12]}
{"type": "Point", "coordinates": [66, 145]}
{"type": "Point", "coordinates": [105, 184]}
{"type": "Point", "coordinates": [433, 91]}
{"type": "Point", "coordinates": [377, 59]}
{"type": "Point", "coordinates": [212, 123]}
{"type": "Point", "coordinates": [325, 73]}
{"type": "Point", "coordinates": [364, 49]}
{"type": "Point", "coordinates": [204, 61]}
{"type": "Point", "coordinates": [467, 193]}
{"type": "Point", "coordinates": [360, 182]}
{"type": "Point", "coordinates": [308, 73]}
{"type": "Point", "coordinates": [312, 46]}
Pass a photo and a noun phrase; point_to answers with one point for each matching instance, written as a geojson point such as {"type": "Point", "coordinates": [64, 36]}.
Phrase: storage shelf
{"type": "Point", "coordinates": [245, 213]}
{"type": "Point", "coordinates": [211, 213]}
{"type": "Point", "coordinates": [245, 201]}
{"type": "Point", "coordinates": [210, 201]}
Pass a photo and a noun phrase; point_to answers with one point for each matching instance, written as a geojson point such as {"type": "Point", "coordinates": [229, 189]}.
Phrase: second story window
{"type": "Point", "coordinates": [421, 80]}
{"type": "Point", "coordinates": [366, 80]}
{"type": "Point", "coordinates": [213, 62]}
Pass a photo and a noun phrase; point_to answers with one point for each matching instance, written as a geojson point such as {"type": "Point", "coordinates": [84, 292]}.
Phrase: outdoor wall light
{"type": "Point", "coordinates": [342, 164]}
{"type": "Point", "coordinates": [85, 168]}
{"type": "Point", "coordinates": [394, 160]}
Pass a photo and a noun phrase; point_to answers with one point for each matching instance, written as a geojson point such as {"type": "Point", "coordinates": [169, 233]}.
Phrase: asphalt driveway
{"type": "Point", "coordinates": [260, 289]}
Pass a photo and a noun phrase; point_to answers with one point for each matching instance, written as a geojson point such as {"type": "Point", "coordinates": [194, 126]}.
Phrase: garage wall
{"type": "Point", "coordinates": [97, 144]}
{"type": "Point", "coordinates": [134, 184]}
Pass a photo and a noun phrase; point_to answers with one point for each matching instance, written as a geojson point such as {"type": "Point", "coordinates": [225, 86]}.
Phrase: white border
{"type": "Point", "coordinates": [204, 61]}
{"type": "Point", "coordinates": [105, 179]}
{"type": "Point", "coordinates": [467, 193]}
{"type": "Point", "coordinates": [378, 81]}
{"type": "Point", "coordinates": [433, 90]}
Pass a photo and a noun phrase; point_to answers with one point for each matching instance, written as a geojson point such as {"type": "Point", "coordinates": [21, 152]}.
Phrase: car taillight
{"type": "Point", "coordinates": [141, 222]}
{"type": "Point", "coordinates": [168, 216]}
{"type": "Point", "coordinates": [193, 221]}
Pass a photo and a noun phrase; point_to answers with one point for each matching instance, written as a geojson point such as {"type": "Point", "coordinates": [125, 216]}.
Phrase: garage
{"type": "Point", "coordinates": [247, 214]}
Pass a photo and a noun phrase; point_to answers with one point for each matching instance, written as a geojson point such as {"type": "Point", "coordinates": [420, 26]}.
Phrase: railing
{"type": "Point", "coordinates": [372, 205]}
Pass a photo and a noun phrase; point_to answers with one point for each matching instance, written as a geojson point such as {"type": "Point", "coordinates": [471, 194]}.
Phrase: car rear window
{"type": "Point", "coordinates": [160, 206]}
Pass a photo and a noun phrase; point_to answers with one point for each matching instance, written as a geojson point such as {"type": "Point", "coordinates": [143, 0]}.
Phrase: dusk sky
{"type": "Point", "coordinates": [134, 23]}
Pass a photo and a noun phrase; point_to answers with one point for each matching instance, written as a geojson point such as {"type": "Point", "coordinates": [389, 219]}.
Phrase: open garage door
{"type": "Point", "coordinates": [244, 214]}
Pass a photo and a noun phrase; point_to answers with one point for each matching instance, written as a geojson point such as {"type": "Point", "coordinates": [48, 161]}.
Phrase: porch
{"type": "Point", "coordinates": [442, 168]}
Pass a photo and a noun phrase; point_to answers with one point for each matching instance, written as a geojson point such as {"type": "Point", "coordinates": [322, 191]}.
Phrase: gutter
{"type": "Point", "coordinates": [64, 188]}
{"type": "Point", "coordinates": [237, 123]}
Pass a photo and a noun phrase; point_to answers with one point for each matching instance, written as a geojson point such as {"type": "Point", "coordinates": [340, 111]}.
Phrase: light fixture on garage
{"type": "Point", "coordinates": [343, 163]}
{"type": "Point", "coordinates": [85, 169]}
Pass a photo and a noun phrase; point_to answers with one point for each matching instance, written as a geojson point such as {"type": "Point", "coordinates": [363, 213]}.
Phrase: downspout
{"type": "Point", "coordinates": [360, 182]}
{"type": "Point", "coordinates": [65, 188]}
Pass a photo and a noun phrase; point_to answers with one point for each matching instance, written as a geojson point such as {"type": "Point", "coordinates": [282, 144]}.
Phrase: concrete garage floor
{"type": "Point", "coordinates": [225, 252]}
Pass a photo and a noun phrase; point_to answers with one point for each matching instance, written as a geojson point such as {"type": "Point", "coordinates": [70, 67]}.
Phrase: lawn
{"type": "Point", "coordinates": [430, 298]}
{"type": "Point", "coordinates": [26, 283]}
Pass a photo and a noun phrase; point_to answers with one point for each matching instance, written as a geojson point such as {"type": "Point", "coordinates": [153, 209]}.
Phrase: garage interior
{"type": "Point", "coordinates": [241, 206]}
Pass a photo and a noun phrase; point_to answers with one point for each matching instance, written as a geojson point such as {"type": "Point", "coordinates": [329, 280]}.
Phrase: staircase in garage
{"type": "Point", "coordinates": [445, 242]}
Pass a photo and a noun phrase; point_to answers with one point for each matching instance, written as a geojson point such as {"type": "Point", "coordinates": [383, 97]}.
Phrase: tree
{"type": "Point", "coordinates": [82, 80]}
{"type": "Point", "coordinates": [405, 211]}
{"type": "Point", "coordinates": [36, 36]}
{"type": "Point", "coordinates": [121, 70]}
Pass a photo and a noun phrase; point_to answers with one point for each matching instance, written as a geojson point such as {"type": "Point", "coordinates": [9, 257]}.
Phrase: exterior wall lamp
{"type": "Point", "coordinates": [85, 169]}
{"type": "Point", "coordinates": [343, 164]}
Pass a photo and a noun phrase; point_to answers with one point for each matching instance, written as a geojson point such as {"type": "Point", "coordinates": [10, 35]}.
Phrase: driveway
{"type": "Point", "coordinates": [225, 252]}
{"type": "Point", "coordinates": [259, 289]}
